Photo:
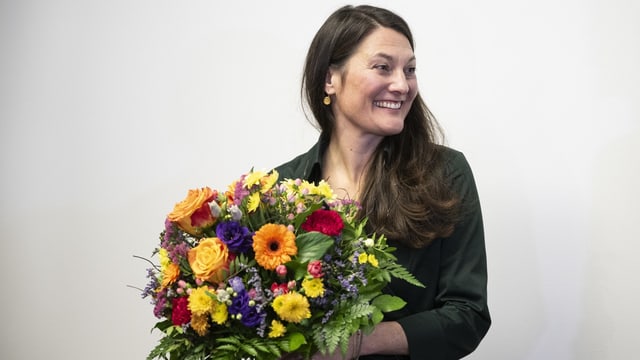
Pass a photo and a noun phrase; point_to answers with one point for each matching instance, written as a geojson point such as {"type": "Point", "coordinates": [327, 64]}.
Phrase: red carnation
{"type": "Point", "coordinates": [279, 289]}
{"type": "Point", "coordinates": [180, 314]}
{"type": "Point", "coordinates": [327, 222]}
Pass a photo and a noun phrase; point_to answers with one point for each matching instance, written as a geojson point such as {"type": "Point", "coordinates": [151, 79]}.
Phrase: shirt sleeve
{"type": "Point", "coordinates": [460, 317]}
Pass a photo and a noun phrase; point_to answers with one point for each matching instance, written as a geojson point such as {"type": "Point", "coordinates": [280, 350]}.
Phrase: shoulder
{"type": "Point", "coordinates": [293, 168]}
{"type": "Point", "coordinates": [301, 166]}
{"type": "Point", "coordinates": [453, 161]}
{"type": "Point", "coordinates": [457, 171]}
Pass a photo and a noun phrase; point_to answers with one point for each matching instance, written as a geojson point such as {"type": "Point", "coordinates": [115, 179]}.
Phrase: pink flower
{"type": "Point", "coordinates": [279, 289]}
{"type": "Point", "coordinates": [315, 268]}
{"type": "Point", "coordinates": [281, 270]}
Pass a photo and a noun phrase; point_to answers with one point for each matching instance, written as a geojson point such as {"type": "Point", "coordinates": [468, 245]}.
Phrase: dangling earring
{"type": "Point", "coordinates": [326, 100]}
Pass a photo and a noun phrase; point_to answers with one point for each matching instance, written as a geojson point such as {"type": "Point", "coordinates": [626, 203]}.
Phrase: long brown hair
{"type": "Point", "coordinates": [405, 194]}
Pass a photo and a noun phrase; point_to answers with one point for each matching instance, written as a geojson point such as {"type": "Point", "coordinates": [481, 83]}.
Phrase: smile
{"type": "Point", "coordinates": [388, 104]}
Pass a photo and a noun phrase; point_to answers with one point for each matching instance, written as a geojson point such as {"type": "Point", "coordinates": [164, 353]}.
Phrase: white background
{"type": "Point", "coordinates": [111, 110]}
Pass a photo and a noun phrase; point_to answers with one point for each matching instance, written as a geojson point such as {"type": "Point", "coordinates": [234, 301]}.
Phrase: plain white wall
{"type": "Point", "coordinates": [111, 110]}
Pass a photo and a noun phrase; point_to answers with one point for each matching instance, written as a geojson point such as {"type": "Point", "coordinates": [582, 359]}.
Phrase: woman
{"type": "Point", "coordinates": [378, 146]}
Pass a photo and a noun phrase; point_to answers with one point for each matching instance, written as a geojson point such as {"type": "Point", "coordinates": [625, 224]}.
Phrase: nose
{"type": "Point", "coordinates": [399, 83]}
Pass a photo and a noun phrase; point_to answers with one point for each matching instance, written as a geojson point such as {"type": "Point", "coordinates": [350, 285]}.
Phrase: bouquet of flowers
{"type": "Point", "coordinates": [267, 268]}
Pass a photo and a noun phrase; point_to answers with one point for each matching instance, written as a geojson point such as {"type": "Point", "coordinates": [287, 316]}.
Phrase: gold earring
{"type": "Point", "coordinates": [326, 100]}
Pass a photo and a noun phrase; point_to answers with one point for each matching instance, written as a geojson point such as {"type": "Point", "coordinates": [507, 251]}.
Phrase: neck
{"type": "Point", "coordinates": [345, 163]}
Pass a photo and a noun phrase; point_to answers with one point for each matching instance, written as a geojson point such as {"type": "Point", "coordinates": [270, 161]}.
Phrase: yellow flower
{"type": "Point", "coordinates": [163, 255]}
{"type": "Point", "coordinates": [372, 260]}
{"type": "Point", "coordinates": [313, 287]}
{"type": "Point", "coordinates": [309, 187]}
{"type": "Point", "coordinates": [200, 302]}
{"type": "Point", "coordinates": [253, 178]}
{"type": "Point", "coordinates": [220, 313]}
{"type": "Point", "coordinates": [274, 245]}
{"type": "Point", "coordinates": [200, 323]}
{"type": "Point", "coordinates": [362, 258]}
{"type": "Point", "coordinates": [292, 307]}
{"type": "Point", "coordinates": [253, 202]}
{"type": "Point", "coordinates": [323, 189]}
{"type": "Point", "coordinates": [170, 274]}
{"type": "Point", "coordinates": [277, 329]}
{"type": "Point", "coordinates": [269, 181]}
{"type": "Point", "coordinates": [209, 259]}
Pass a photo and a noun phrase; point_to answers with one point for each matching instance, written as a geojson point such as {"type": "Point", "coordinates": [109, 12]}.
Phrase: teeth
{"type": "Point", "coordinates": [388, 104]}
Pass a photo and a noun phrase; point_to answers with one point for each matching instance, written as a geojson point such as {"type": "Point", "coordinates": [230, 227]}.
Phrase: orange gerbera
{"type": "Point", "coordinates": [274, 245]}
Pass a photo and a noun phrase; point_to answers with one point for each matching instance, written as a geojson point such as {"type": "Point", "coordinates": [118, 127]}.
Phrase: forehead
{"type": "Point", "coordinates": [385, 41]}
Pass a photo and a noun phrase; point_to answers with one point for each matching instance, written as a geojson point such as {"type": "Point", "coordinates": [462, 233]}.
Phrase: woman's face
{"type": "Point", "coordinates": [372, 93]}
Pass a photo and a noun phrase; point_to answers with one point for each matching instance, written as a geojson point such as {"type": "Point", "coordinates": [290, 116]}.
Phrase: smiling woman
{"type": "Point", "coordinates": [373, 91]}
{"type": "Point", "coordinates": [378, 145]}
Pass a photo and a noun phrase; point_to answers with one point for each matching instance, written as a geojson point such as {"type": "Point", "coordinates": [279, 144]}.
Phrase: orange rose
{"type": "Point", "coordinates": [209, 260]}
{"type": "Point", "coordinates": [193, 213]}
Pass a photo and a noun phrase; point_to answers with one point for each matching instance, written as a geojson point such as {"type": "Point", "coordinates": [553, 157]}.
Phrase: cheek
{"type": "Point", "coordinates": [413, 89]}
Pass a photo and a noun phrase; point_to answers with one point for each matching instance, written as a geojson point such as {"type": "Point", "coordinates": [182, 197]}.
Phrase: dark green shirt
{"type": "Point", "coordinates": [448, 318]}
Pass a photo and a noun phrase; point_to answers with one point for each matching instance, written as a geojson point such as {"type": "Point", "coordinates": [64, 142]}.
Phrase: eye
{"type": "Point", "coordinates": [382, 67]}
{"type": "Point", "coordinates": [410, 71]}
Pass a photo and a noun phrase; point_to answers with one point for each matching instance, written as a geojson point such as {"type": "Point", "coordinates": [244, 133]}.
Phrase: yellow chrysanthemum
{"type": "Point", "coordinates": [323, 189]}
{"type": "Point", "coordinates": [269, 181]}
{"type": "Point", "coordinates": [274, 245]}
{"type": "Point", "coordinates": [313, 287]}
{"type": "Point", "coordinates": [200, 323]}
{"type": "Point", "coordinates": [372, 260]}
{"type": "Point", "coordinates": [292, 307]}
{"type": "Point", "coordinates": [253, 178]}
{"type": "Point", "coordinates": [219, 315]}
{"type": "Point", "coordinates": [253, 202]}
{"type": "Point", "coordinates": [277, 329]}
{"type": "Point", "coordinates": [200, 301]}
{"type": "Point", "coordinates": [362, 258]}
{"type": "Point", "coordinates": [307, 187]}
{"type": "Point", "coordinates": [163, 256]}
{"type": "Point", "coordinates": [170, 274]}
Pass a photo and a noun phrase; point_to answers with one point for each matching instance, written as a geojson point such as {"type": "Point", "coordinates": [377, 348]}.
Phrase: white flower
{"type": "Point", "coordinates": [215, 209]}
{"type": "Point", "coordinates": [236, 213]}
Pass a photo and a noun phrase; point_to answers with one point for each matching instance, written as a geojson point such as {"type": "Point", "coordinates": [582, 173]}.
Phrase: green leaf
{"type": "Point", "coordinates": [296, 340]}
{"type": "Point", "coordinates": [312, 245]}
{"type": "Point", "coordinates": [387, 303]}
{"type": "Point", "coordinates": [377, 316]}
{"type": "Point", "coordinates": [400, 272]}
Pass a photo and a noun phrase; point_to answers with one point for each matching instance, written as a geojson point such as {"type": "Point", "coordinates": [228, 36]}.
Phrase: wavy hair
{"type": "Point", "coordinates": [406, 195]}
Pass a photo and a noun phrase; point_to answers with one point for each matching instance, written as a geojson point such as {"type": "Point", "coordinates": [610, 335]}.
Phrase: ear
{"type": "Point", "coordinates": [330, 81]}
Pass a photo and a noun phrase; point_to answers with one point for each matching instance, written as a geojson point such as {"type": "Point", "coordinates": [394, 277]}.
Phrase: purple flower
{"type": "Point", "coordinates": [237, 237]}
{"type": "Point", "coordinates": [161, 301]}
{"type": "Point", "coordinates": [236, 284]}
{"type": "Point", "coordinates": [240, 305]}
{"type": "Point", "coordinates": [240, 192]}
{"type": "Point", "coordinates": [150, 289]}
{"type": "Point", "coordinates": [252, 318]}
{"type": "Point", "coordinates": [178, 252]}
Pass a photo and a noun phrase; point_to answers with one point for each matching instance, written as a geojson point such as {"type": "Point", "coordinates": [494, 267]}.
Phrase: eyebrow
{"type": "Point", "coordinates": [390, 58]}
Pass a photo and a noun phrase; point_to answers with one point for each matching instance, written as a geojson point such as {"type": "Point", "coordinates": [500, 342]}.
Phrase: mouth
{"type": "Point", "coordinates": [386, 104]}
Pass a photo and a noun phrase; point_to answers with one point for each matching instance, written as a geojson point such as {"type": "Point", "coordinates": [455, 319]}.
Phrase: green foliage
{"type": "Point", "coordinates": [177, 346]}
{"type": "Point", "coordinates": [312, 245]}
{"type": "Point", "coordinates": [388, 303]}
